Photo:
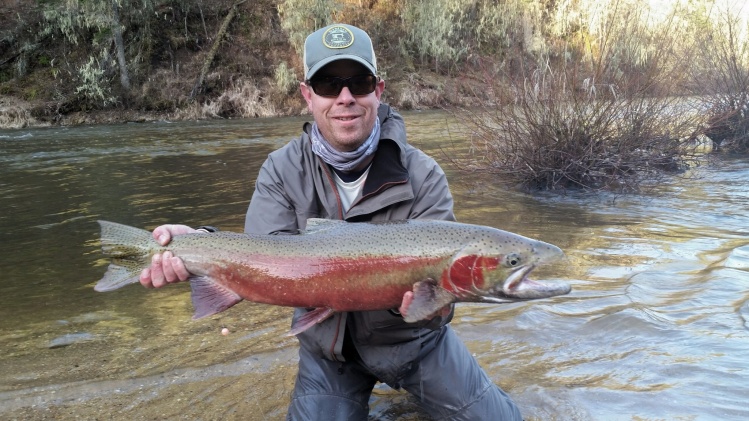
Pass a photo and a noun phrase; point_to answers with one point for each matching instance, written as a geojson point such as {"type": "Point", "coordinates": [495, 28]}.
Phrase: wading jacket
{"type": "Point", "coordinates": [403, 183]}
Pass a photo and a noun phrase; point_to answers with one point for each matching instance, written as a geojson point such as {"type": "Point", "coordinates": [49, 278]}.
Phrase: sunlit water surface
{"type": "Point", "coordinates": [654, 329]}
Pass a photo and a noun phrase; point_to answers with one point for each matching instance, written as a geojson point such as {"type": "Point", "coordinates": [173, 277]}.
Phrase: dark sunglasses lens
{"type": "Point", "coordinates": [329, 86]}
{"type": "Point", "coordinates": [332, 86]}
{"type": "Point", "coordinates": [362, 85]}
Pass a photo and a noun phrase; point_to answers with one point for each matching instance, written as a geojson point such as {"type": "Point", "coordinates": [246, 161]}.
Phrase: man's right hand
{"type": "Point", "coordinates": [165, 267]}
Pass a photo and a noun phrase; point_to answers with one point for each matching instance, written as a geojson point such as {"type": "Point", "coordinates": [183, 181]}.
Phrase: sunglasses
{"type": "Point", "coordinates": [332, 86]}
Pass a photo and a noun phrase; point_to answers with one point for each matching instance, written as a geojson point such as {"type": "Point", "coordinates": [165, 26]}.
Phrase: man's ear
{"type": "Point", "coordinates": [306, 92]}
{"type": "Point", "coordinates": [379, 88]}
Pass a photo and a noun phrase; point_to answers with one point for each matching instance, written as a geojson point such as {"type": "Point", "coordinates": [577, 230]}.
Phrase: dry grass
{"type": "Point", "coordinates": [241, 100]}
{"type": "Point", "coordinates": [15, 115]}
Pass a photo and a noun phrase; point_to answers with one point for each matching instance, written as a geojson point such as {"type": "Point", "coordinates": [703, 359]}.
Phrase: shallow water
{"type": "Point", "coordinates": [655, 327]}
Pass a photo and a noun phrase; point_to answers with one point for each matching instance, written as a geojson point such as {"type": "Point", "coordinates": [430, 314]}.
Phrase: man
{"type": "Point", "coordinates": [353, 163]}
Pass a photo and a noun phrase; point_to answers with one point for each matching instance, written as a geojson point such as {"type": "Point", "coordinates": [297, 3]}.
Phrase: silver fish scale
{"type": "Point", "coordinates": [417, 238]}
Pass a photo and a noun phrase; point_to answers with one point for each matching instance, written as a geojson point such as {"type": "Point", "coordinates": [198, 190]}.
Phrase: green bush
{"type": "Point", "coordinates": [286, 80]}
{"type": "Point", "coordinates": [445, 32]}
{"type": "Point", "coordinates": [93, 88]}
{"type": "Point", "coordinates": [299, 18]}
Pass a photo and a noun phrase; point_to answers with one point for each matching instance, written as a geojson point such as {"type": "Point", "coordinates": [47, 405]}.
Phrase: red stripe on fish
{"type": "Point", "coordinates": [326, 281]}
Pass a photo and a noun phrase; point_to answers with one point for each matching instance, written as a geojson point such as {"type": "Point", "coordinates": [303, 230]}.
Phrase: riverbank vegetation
{"type": "Point", "coordinates": [553, 95]}
{"type": "Point", "coordinates": [629, 100]}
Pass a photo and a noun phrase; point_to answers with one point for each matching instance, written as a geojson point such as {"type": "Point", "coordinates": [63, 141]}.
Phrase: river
{"type": "Point", "coordinates": [654, 329]}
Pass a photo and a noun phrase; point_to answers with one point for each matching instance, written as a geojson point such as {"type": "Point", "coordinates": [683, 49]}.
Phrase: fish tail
{"type": "Point", "coordinates": [130, 251]}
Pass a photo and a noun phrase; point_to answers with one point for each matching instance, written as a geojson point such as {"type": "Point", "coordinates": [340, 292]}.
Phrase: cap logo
{"type": "Point", "coordinates": [338, 37]}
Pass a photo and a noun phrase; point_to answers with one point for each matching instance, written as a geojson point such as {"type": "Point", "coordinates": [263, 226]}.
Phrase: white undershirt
{"type": "Point", "coordinates": [349, 191]}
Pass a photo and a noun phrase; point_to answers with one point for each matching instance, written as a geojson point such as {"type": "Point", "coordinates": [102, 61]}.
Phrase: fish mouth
{"type": "Point", "coordinates": [518, 286]}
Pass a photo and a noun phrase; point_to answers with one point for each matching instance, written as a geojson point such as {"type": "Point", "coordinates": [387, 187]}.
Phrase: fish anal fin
{"type": "Point", "coordinates": [429, 298]}
{"type": "Point", "coordinates": [209, 297]}
{"type": "Point", "coordinates": [310, 319]}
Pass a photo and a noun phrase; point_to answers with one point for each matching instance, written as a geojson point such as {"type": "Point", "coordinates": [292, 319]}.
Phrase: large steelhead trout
{"type": "Point", "coordinates": [338, 266]}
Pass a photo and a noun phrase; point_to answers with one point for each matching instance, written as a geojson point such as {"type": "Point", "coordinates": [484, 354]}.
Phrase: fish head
{"type": "Point", "coordinates": [498, 271]}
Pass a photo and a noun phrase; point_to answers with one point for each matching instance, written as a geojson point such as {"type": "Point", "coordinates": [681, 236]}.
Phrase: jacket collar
{"type": "Point", "coordinates": [388, 168]}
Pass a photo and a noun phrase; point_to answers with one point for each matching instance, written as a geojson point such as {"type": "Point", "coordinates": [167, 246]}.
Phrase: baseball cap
{"type": "Point", "coordinates": [337, 42]}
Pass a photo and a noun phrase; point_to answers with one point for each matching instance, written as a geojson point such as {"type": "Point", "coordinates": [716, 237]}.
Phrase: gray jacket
{"type": "Point", "coordinates": [403, 183]}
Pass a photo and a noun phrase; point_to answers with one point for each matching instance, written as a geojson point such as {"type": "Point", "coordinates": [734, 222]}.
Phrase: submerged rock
{"type": "Point", "coordinates": [69, 339]}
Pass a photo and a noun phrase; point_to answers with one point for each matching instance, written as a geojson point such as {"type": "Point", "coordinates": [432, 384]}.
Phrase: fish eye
{"type": "Point", "coordinates": [512, 260]}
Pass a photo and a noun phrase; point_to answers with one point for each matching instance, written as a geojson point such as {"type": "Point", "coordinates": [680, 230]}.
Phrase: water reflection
{"type": "Point", "coordinates": [656, 326]}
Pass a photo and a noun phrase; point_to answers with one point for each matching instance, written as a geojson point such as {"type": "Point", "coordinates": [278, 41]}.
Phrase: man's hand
{"type": "Point", "coordinates": [165, 268]}
{"type": "Point", "coordinates": [408, 298]}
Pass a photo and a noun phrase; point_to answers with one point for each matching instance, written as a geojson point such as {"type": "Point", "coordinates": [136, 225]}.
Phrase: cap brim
{"type": "Point", "coordinates": [320, 64]}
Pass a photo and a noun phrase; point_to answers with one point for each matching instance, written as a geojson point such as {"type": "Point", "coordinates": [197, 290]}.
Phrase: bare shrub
{"type": "Point", "coordinates": [608, 121]}
{"type": "Point", "coordinates": [560, 135]}
{"type": "Point", "coordinates": [719, 76]}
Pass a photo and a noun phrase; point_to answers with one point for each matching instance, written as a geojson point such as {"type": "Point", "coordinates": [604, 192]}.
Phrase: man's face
{"type": "Point", "coordinates": [346, 120]}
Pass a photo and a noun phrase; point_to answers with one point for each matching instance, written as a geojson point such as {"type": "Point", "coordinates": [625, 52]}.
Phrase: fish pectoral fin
{"type": "Point", "coordinates": [310, 319]}
{"type": "Point", "coordinates": [429, 298]}
{"type": "Point", "coordinates": [209, 297]}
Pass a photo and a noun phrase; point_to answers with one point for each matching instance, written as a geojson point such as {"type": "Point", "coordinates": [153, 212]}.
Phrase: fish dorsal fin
{"type": "Point", "coordinates": [317, 225]}
{"type": "Point", "coordinates": [209, 297]}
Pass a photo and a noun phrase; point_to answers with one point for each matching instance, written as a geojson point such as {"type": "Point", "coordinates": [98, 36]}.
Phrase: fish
{"type": "Point", "coordinates": [335, 266]}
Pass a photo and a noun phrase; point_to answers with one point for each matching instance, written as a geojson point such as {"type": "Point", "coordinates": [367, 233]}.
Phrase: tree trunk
{"type": "Point", "coordinates": [120, 45]}
{"type": "Point", "coordinates": [214, 48]}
